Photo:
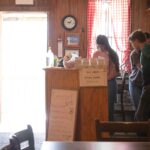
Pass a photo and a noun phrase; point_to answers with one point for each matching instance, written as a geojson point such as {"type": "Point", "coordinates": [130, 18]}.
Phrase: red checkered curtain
{"type": "Point", "coordinates": [91, 16]}
{"type": "Point", "coordinates": [110, 18]}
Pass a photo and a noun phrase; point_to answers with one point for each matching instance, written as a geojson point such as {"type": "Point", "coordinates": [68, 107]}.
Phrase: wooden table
{"type": "Point", "coordinates": [96, 146]}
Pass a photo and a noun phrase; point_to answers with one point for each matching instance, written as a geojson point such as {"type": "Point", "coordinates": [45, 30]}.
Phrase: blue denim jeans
{"type": "Point", "coordinates": [135, 93]}
{"type": "Point", "coordinates": [112, 97]}
{"type": "Point", "coordinates": [143, 111]}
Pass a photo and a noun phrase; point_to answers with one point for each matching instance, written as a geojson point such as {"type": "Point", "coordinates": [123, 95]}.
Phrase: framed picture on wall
{"type": "Point", "coordinates": [72, 40]}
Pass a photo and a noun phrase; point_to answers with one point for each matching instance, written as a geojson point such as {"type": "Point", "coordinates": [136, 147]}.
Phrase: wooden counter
{"type": "Point", "coordinates": [92, 101]}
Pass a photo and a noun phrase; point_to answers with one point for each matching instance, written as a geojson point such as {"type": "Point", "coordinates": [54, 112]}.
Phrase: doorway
{"type": "Point", "coordinates": [22, 59]}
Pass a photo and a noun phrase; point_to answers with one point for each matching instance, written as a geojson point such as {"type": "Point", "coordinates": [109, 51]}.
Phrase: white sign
{"type": "Point", "coordinates": [24, 2]}
{"type": "Point", "coordinates": [62, 117]}
{"type": "Point", "coordinates": [92, 77]}
{"type": "Point", "coordinates": [60, 48]}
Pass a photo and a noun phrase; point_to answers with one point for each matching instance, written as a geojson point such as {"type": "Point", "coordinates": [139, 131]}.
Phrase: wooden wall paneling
{"type": "Point", "coordinates": [6, 2]}
{"type": "Point", "coordinates": [140, 17]}
{"type": "Point", "coordinates": [56, 13]}
{"type": "Point", "coordinates": [42, 2]}
{"type": "Point", "coordinates": [135, 15]}
{"type": "Point", "coordinates": [85, 28]}
{"type": "Point", "coordinates": [63, 9]}
{"type": "Point", "coordinates": [39, 5]}
{"type": "Point", "coordinates": [11, 3]}
{"type": "Point", "coordinates": [82, 17]}
{"type": "Point", "coordinates": [143, 15]}
{"type": "Point", "coordinates": [56, 9]}
{"type": "Point", "coordinates": [51, 24]}
{"type": "Point", "coordinates": [59, 10]}
{"type": "Point", "coordinates": [80, 12]}
{"type": "Point", "coordinates": [147, 19]}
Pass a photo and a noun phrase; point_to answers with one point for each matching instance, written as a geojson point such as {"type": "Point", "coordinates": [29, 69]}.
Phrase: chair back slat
{"type": "Point", "coordinates": [140, 128]}
{"type": "Point", "coordinates": [23, 140]}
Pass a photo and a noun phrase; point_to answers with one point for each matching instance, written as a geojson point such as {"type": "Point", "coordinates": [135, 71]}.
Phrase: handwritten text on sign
{"type": "Point", "coordinates": [62, 117]}
{"type": "Point", "coordinates": [92, 77]}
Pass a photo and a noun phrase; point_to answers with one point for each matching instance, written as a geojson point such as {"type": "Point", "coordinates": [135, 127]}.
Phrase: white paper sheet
{"type": "Point", "coordinates": [63, 109]}
{"type": "Point", "coordinates": [24, 2]}
{"type": "Point", "coordinates": [60, 48]}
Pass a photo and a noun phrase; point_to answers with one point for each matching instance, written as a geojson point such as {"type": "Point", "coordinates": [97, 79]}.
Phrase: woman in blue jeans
{"type": "Point", "coordinates": [112, 62]}
{"type": "Point", "coordinates": [112, 97]}
{"type": "Point", "coordinates": [135, 93]}
{"type": "Point", "coordinates": [135, 78]}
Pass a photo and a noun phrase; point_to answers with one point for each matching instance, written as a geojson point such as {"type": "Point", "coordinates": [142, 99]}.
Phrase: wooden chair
{"type": "Point", "coordinates": [142, 130]}
{"type": "Point", "coordinates": [121, 88]}
{"type": "Point", "coordinates": [23, 140]}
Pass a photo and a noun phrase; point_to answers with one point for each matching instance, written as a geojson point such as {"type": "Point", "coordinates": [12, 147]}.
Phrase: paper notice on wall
{"type": "Point", "coordinates": [62, 116]}
{"type": "Point", "coordinates": [24, 2]}
{"type": "Point", "coordinates": [60, 48]}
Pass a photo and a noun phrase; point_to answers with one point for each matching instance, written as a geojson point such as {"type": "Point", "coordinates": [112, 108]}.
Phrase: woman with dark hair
{"type": "Point", "coordinates": [104, 50]}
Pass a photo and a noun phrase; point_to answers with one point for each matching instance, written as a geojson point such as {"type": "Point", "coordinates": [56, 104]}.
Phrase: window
{"type": "Point", "coordinates": [110, 18]}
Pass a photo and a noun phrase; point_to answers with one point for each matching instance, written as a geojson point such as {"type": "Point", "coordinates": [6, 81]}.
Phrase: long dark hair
{"type": "Point", "coordinates": [103, 40]}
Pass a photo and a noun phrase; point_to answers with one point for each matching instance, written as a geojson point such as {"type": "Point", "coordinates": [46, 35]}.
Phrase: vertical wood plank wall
{"type": "Point", "coordinates": [57, 9]}
{"type": "Point", "coordinates": [140, 15]}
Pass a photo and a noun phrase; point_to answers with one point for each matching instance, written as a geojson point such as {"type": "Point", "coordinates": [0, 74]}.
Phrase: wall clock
{"type": "Point", "coordinates": [69, 22]}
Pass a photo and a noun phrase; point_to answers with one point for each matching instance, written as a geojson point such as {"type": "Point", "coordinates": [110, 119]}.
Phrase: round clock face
{"type": "Point", "coordinates": [69, 22]}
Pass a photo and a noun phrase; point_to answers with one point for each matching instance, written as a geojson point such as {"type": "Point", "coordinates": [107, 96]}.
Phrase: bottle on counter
{"type": "Point", "coordinates": [55, 60]}
{"type": "Point", "coordinates": [50, 57]}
